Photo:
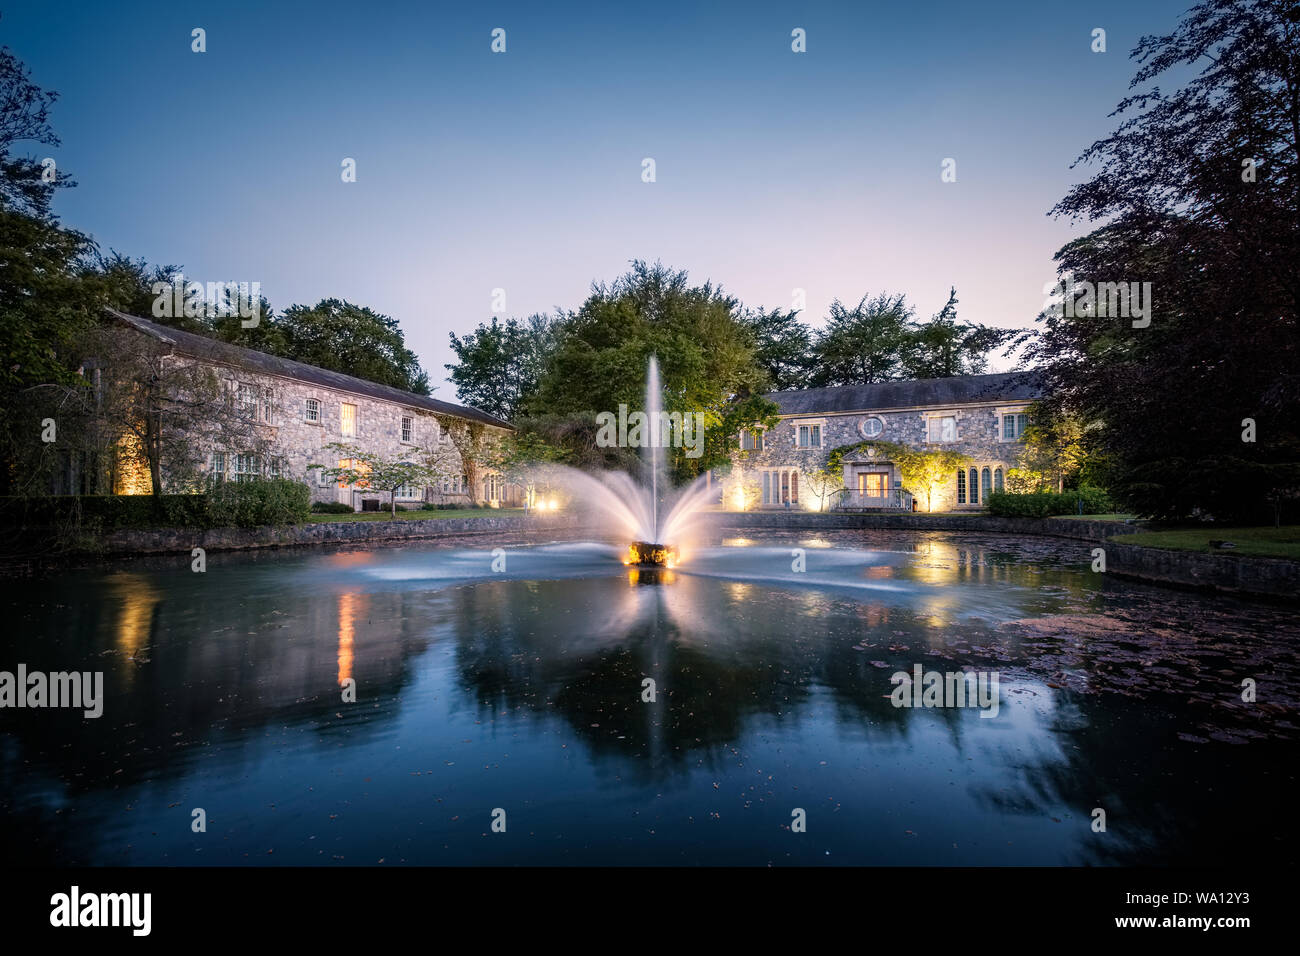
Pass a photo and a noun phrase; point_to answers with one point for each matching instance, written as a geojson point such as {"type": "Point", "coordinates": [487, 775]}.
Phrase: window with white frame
{"type": "Point", "coordinates": [808, 435]}
{"type": "Point", "coordinates": [872, 427]}
{"type": "Point", "coordinates": [942, 428]}
{"type": "Point", "coordinates": [751, 439]}
{"type": "Point", "coordinates": [1013, 425]}
{"type": "Point", "coordinates": [219, 465]}
{"type": "Point", "coordinates": [408, 428]}
{"type": "Point", "coordinates": [311, 411]}
{"type": "Point", "coordinates": [244, 468]}
{"type": "Point", "coordinates": [408, 492]}
{"type": "Point", "coordinates": [323, 480]}
{"type": "Point", "coordinates": [247, 398]}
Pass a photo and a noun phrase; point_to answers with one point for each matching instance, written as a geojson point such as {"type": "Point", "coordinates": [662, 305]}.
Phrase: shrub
{"type": "Point", "coordinates": [275, 501]}
{"type": "Point", "coordinates": [251, 504]}
{"type": "Point", "coordinates": [1087, 501]}
{"type": "Point", "coordinates": [331, 508]}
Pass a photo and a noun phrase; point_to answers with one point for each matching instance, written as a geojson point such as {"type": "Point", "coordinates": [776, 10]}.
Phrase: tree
{"type": "Point", "coordinates": [782, 346]}
{"type": "Point", "coordinates": [1198, 194]}
{"type": "Point", "coordinates": [473, 444]}
{"type": "Point", "coordinates": [944, 347]}
{"type": "Point", "coordinates": [500, 363]}
{"type": "Point", "coordinates": [522, 457]}
{"type": "Point", "coordinates": [706, 358]}
{"type": "Point", "coordinates": [371, 470]}
{"type": "Point", "coordinates": [26, 183]}
{"type": "Point", "coordinates": [162, 414]}
{"type": "Point", "coordinates": [353, 339]}
{"type": "Point", "coordinates": [864, 344]}
{"type": "Point", "coordinates": [923, 472]}
{"type": "Point", "coordinates": [824, 482]}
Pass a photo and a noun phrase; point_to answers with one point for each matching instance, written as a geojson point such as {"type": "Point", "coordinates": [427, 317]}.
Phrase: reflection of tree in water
{"type": "Point", "coordinates": [189, 669]}
{"type": "Point", "coordinates": [722, 655]}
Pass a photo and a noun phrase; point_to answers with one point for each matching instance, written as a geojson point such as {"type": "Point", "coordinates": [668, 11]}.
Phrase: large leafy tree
{"type": "Point", "coordinates": [864, 343]}
{"type": "Point", "coordinates": [353, 339]}
{"type": "Point", "coordinates": [499, 364]}
{"type": "Point", "coordinates": [944, 346]}
{"type": "Point", "coordinates": [782, 346]}
{"type": "Point", "coordinates": [1198, 193]}
{"type": "Point", "coordinates": [705, 353]}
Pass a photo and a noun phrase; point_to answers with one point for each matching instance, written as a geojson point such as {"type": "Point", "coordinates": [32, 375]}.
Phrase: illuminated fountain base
{"type": "Point", "coordinates": [647, 555]}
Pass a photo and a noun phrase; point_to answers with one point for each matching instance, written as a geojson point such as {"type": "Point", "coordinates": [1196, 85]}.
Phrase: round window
{"type": "Point", "coordinates": [872, 427]}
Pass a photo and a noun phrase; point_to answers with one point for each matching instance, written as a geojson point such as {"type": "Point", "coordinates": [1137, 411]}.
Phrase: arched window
{"type": "Point", "coordinates": [794, 487]}
{"type": "Point", "coordinates": [974, 487]}
{"type": "Point", "coordinates": [961, 486]}
{"type": "Point", "coordinates": [997, 479]}
{"type": "Point", "coordinates": [986, 484]}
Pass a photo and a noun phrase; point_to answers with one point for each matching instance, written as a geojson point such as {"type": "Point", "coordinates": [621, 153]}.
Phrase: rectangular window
{"type": "Point", "coordinates": [751, 440]}
{"type": "Point", "coordinates": [246, 468]}
{"type": "Point", "coordinates": [408, 428]}
{"type": "Point", "coordinates": [961, 486]}
{"type": "Point", "coordinates": [322, 479]}
{"type": "Point", "coordinates": [1013, 426]}
{"type": "Point", "coordinates": [348, 420]}
{"type": "Point", "coordinates": [407, 493]}
{"type": "Point", "coordinates": [268, 405]}
{"type": "Point", "coordinates": [943, 428]}
{"type": "Point", "coordinates": [219, 465]}
{"type": "Point", "coordinates": [810, 436]}
{"type": "Point", "coordinates": [248, 402]}
{"type": "Point", "coordinates": [767, 487]}
{"type": "Point", "coordinates": [311, 411]}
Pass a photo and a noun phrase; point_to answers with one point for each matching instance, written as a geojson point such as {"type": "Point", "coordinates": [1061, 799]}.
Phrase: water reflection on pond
{"type": "Point", "coordinates": [525, 689]}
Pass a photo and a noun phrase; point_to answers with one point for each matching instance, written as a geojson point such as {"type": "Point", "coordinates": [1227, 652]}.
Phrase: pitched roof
{"type": "Point", "coordinates": [958, 390]}
{"type": "Point", "coordinates": [213, 350]}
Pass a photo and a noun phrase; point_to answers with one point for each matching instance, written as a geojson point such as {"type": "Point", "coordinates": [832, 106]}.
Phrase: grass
{"type": "Point", "coordinates": [1281, 542]}
{"type": "Point", "coordinates": [420, 515]}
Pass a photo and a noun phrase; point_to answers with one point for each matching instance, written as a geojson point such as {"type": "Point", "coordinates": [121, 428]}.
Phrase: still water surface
{"type": "Point", "coordinates": [522, 690]}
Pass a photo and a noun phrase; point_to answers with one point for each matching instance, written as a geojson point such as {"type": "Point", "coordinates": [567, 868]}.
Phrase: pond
{"type": "Point", "coordinates": [541, 703]}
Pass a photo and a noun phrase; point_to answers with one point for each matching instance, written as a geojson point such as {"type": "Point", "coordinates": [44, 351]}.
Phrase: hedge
{"type": "Point", "coordinates": [1088, 501]}
{"type": "Point", "coordinates": [272, 501]}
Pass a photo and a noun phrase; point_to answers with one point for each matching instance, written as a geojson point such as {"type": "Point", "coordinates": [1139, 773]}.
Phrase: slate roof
{"type": "Point", "coordinates": [940, 392]}
{"type": "Point", "coordinates": [202, 347]}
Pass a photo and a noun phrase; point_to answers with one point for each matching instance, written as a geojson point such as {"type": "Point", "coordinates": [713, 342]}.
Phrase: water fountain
{"type": "Point", "coordinates": [633, 509]}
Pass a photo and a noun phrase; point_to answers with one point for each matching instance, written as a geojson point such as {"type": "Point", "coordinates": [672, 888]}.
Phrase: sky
{"type": "Point", "coordinates": [523, 170]}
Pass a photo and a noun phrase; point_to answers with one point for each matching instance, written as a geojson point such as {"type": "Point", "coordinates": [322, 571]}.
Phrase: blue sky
{"type": "Point", "coordinates": [522, 170]}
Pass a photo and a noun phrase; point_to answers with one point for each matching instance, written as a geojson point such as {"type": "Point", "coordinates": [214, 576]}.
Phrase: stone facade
{"type": "Point", "coordinates": [963, 419]}
{"type": "Point", "coordinates": [289, 413]}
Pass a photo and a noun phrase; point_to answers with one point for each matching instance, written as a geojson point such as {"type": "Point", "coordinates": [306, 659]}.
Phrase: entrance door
{"type": "Point", "coordinates": [873, 484]}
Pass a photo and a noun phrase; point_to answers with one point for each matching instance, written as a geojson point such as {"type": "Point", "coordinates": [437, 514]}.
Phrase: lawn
{"type": "Point", "coordinates": [1261, 542]}
{"type": "Point", "coordinates": [421, 515]}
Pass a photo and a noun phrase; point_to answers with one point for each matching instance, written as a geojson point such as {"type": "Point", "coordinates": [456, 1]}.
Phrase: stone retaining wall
{"type": "Point", "coordinates": [325, 532]}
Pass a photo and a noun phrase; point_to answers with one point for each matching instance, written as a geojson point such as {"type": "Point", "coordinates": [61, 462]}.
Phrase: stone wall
{"type": "Point", "coordinates": [182, 540]}
{"type": "Point", "coordinates": [299, 442]}
{"type": "Point", "coordinates": [978, 436]}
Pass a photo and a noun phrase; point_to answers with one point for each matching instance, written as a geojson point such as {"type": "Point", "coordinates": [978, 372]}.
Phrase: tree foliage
{"type": "Point", "coordinates": [1198, 193]}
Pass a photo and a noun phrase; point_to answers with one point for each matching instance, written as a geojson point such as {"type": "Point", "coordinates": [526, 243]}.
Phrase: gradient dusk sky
{"type": "Point", "coordinates": [522, 170]}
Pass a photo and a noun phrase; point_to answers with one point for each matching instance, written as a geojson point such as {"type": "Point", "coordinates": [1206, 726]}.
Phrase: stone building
{"type": "Point", "coordinates": [980, 416]}
{"type": "Point", "coordinates": [296, 411]}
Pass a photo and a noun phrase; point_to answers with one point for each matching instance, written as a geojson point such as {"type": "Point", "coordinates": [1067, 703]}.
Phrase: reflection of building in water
{"type": "Point", "coordinates": [351, 606]}
{"type": "Point", "coordinates": [135, 621]}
